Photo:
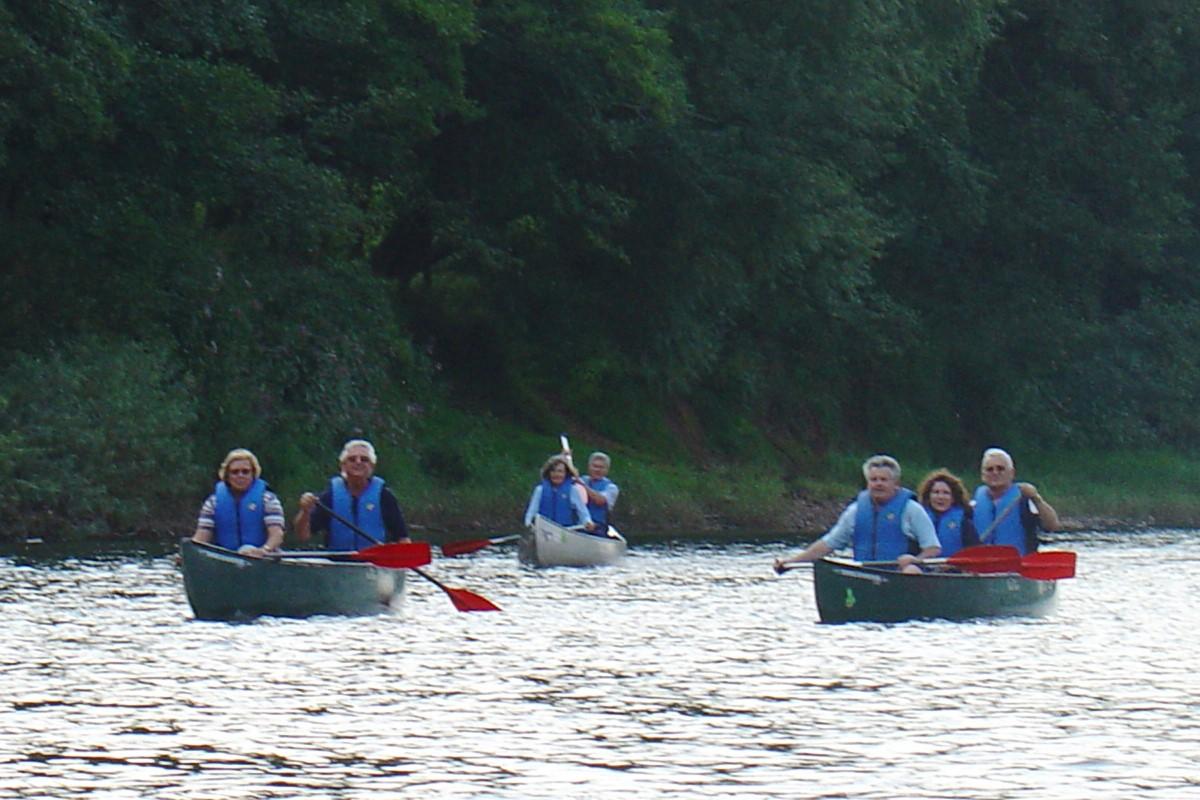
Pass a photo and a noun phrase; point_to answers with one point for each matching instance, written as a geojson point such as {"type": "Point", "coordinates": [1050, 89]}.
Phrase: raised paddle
{"type": "Point", "coordinates": [463, 600]}
{"type": "Point", "coordinates": [566, 451]}
{"type": "Point", "coordinates": [471, 545]}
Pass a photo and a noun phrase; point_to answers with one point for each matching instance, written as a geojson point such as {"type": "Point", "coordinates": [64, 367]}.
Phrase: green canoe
{"type": "Point", "coordinates": [851, 592]}
{"type": "Point", "coordinates": [222, 585]}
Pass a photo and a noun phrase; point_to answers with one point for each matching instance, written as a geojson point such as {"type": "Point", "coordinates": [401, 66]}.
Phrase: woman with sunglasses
{"type": "Point", "coordinates": [358, 495]}
{"type": "Point", "coordinates": [242, 513]}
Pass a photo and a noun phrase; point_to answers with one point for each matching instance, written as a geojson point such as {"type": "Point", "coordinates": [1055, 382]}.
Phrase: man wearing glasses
{"type": "Point", "coordinates": [884, 523]}
{"type": "Point", "coordinates": [999, 497]}
{"type": "Point", "coordinates": [358, 496]}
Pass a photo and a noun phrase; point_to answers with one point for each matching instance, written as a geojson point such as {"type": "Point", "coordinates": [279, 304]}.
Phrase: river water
{"type": "Point", "coordinates": [689, 671]}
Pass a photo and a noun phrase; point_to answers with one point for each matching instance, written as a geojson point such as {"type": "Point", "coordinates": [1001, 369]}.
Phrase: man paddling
{"type": "Point", "coordinates": [884, 523]}
{"type": "Point", "coordinates": [357, 494]}
{"type": "Point", "coordinates": [602, 493]}
{"type": "Point", "coordinates": [1007, 512]}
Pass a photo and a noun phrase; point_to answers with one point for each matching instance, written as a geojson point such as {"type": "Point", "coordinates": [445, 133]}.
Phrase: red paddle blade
{"type": "Point", "coordinates": [469, 601]}
{"type": "Point", "coordinates": [987, 558]}
{"type": "Point", "coordinates": [398, 555]}
{"type": "Point", "coordinates": [462, 548]}
{"type": "Point", "coordinates": [1048, 566]}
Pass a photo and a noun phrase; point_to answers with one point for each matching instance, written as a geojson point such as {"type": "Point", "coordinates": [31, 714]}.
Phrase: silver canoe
{"type": "Point", "coordinates": [549, 544]}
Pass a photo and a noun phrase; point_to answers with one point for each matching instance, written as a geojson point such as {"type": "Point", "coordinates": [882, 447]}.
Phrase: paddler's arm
{"type": "Point", "coordinates": [1046, 512]}
{"type": "Point", "coordinates": [302, 522]}
{"type": "Point", "coordinates": [917, 525]}
{"type": "Point", "coordinates": [535, 500]}
{"type": "Point", "coordinates": [839, 536]}
{"type": "Point", "coordinates": [579, 503]}
{"type": "Point", "coordinates": [205, 526]}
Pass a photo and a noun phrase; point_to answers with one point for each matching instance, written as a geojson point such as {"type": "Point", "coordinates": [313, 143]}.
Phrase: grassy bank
{"type": "Point", "coordinates": [476, 474]}
{"type": "Point", "coordinates": [457, 472]}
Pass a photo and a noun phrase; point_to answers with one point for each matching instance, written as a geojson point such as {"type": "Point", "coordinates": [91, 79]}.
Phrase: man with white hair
{"type": "Point", "coordinates": [358, 495]}
{"type": "Point", "coordinates": [602, 493]}
{"type": "Point", "coordinates": [998, 498]}
{"type": "Point", "coordinates": [884, 523]}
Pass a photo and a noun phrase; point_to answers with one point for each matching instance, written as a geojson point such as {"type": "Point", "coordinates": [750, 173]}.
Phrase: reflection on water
{"type": "Point", "coordinates": [691, 671]}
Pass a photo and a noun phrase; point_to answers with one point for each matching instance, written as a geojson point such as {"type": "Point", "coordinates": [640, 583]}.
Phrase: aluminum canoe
{"type": "Point", "coordinates": [551, 545]}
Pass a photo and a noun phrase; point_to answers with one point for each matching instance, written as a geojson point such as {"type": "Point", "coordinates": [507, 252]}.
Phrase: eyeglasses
{"type": "Point", "coordinates": [358, 459]}
{"type": "Point", "coordinates": [240, 472]}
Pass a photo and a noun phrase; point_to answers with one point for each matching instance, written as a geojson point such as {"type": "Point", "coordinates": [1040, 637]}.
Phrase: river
{"type": "Point", "coordinates": [690, 671]}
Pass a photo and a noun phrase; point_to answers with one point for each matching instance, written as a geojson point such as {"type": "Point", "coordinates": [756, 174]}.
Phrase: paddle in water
{"type": "Point", "coordinates": [463, 600]}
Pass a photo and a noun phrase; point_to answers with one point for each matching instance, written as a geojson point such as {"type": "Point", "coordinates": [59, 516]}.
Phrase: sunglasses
{"type": "Point", "coordinates": [358, 459]}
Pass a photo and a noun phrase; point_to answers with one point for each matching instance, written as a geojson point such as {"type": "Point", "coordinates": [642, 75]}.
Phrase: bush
{"type": "Point", "coordinates": [98, 439]}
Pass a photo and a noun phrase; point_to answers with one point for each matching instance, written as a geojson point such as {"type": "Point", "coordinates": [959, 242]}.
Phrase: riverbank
{"type": "Point", "coordinates": [665, 493]}
{"type": "Point", "coordinates": [1091, 491]}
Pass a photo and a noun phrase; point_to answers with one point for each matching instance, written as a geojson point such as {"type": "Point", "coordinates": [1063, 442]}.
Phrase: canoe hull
{"type": "Point", "coordinates": [222, 585]}
{"type": "Point", "coordinates": [552, 545]}
{"type": "Point", "coordinates": [850, 592]}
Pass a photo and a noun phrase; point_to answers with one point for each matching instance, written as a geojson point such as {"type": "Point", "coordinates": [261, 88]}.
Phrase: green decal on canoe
{"type": "Point", "coordinates": [850, 601]}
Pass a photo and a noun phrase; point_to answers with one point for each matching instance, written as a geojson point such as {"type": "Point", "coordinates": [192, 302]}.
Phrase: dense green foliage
{"type": "Point", "coordinates": [699, 233]}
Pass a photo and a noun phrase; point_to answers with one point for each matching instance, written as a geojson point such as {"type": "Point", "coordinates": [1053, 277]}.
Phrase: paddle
{"type": "Point", "coordinates": [566, 451]}
{"type": "Point", "coordinates": [1049, 565]}
{"type": "Point", "coordinates": [982, 559]}
{"type": "Point", "coordinates": [463, 600]}
{"type": "Point", "coordinates": [397, 555]}
{"type": "Point", "coordinates": [471, 545]}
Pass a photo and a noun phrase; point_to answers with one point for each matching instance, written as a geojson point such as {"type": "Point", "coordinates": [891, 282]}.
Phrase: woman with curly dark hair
{"type": "Point", "coordinates": [945, 499]}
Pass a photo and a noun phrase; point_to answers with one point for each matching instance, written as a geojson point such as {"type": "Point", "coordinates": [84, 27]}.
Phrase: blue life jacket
{"type": "Point", "coordinates": [1011, 530]}
{"type": "Point", "coordinates": [239, 521]}
{"type": "Point", "coordinates": [599, 513]}
{"type": "Point", "coordinates": [949, 527]}
{"type": "Point", "coordinates": [877, 533]}
{"type": "Point", "coordinates": [366, 514]}
{"type": "Point", "coordinates": [556, 502]}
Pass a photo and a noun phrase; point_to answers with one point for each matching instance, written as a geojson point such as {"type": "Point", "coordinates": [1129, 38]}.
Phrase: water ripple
{"type": "Point", "coordinates": [690, 671]}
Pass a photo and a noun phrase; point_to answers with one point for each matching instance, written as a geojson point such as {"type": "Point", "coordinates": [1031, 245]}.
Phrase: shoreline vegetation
{"type": "Point", "coordinates": [739, 247]}
{"type": "Point", "coordinates": [672, 497]}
